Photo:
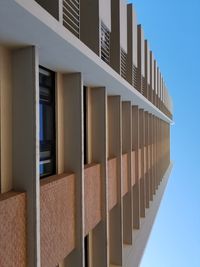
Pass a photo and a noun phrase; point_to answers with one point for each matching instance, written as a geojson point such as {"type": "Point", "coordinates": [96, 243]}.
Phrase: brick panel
{"type": "Point", "coordinates": [13, 230]}
{"type": "Point", "coordinates": [125, 173]}
{"type": "Point", "coordinates": [92, 184]}
{"type": "Point", "coordinates": [112, 182]}
{"type": "Point", "coordinates": [57, 204]}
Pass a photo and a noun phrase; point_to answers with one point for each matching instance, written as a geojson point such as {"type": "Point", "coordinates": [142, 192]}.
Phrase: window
{"type": "Point", "coordinates": [85, 91]}
{"type": "Point", "coordinates": [86, 241]}
{"type": "Point", "coordinates": [47, 122]}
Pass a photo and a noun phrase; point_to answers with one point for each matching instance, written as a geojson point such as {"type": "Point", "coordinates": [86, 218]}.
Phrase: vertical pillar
{"type": "Point", "coordinates": [147, 174]}
{"type": "Point", "coordinates": [115, 150]}
{"type": "Point", "coordinates": [141, 69]}
{"type": "Point", "coordinates": [151, 93]}
{"type": "Point", "coordinates": [147, 69]}
{"type": "Point", "coordinates": [156, 152]}
{"type": "Point", "coordinates": [160, 151]}
{"type": "Point", "coordinates": [6, 175]}
{"type": "Point", "coordinates": [73, 156]}
{"type": "Point", "coordinates": [115, 35]}
{"type": "Point", "coordinates": [141, 160]}
{"type": "Point", "coordinates": [127, 148]}
{"type": "Point", "coordinates": [60, 11]}
{"type": "Point", "coordinates": [98, 108]}
{"type": "Point", "coordinates": [90, 24]}
{"type": "Point", "coordinates": [131, 45]}
{"type": "Point", "coordinates": [26, 142]}
{"type": "Point", "coordinates": [151, 155]}
{"type": "Point", "coordinates": [136, 187]}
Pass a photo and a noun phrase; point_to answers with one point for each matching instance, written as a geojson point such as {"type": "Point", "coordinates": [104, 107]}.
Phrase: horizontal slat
{"type": "Point", "coordinates": [143, 85]}
{"type": "Point", "coordinates": [71, 13]}
{"type": "Point", "coordinates": [65, 17]}
{"type": "Point", "coordinates": [105, 43]}
{"type": "Point", "coordinates": [134, 77]}
{"type": "Point", "coordinates": [71, 16]}
{"type": "Point", "coordinates": [74, 3]}
{"type": "Point", "coordinates": [69, 27]}
{"type": "Point", "coordinates": [123, 64]}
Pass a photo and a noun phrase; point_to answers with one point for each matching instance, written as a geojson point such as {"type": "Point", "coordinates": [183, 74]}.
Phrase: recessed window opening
{"type": "Point", "coordinates": [85, 125]}
{"type": "Point", "coordinates": [47, 122]}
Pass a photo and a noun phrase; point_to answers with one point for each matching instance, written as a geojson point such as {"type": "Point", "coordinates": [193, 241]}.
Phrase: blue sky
{"type": "Point", "coordinates": [173, 29]}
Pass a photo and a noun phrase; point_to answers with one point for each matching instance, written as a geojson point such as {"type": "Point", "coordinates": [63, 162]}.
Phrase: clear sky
{"type": "Point", "coordinates": [173, 29]}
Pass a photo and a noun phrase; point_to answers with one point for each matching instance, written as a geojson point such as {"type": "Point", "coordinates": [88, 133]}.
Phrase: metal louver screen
{"type": "Point", "coordinates": [149, 92]}
{"type": "Point", "coordinates": [143, 89]}
{"type": "Point", "coordinates": [123, 64]}
{"type": "Point", "coordinates": [105, 43]}
{"type": "Point", "coordinates": [134, 77]}
{"type": "Point", "coordinates": [71, 16]}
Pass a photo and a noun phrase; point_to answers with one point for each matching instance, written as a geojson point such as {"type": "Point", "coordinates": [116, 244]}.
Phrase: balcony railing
{"type": "Point", "coordinates": [105, 43]}
{"type": "Point", "coordinates": [123, 64]}
{"type": "Point", "coordinates": [71, 16]}
{"type": "Point", "coordinates": [68, 13]}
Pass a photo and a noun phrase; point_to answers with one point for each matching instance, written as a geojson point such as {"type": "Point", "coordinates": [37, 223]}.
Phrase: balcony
{"type": "Point", "coordinates": [84, 23]}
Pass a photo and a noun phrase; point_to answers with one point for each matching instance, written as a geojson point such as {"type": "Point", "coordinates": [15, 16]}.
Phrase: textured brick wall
{"type": "Point", "coordinates": [13, 230]}
{"type": "Point", "coordinates": [92, 183]}
{"type": "Point", "coordinates": [57, 200]}
{"type": "Point", "coordinates": [124, 174]}
{"type": "Point", "coordinates": [112, 183]}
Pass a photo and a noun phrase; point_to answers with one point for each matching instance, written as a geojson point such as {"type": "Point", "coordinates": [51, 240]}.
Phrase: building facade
{"type": "Point", "coordinates": [84, 134]}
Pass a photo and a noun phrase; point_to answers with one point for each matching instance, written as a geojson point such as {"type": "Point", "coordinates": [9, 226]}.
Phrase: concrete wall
{"type": "Point", "coordinates": [6, 176]}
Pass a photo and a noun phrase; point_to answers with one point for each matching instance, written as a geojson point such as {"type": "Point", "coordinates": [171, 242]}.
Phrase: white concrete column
{"type": "Point", "coordinates": [127, 148]}
{"type": "Point", "coordinates": [26, 142]}
{"type": "Point", "coordinates": [136, 187]}
{"type": "Point", "coordinates": [73, 156]}
{"type": "Point", "coordinates": [6, 175]}
{"type": "Point", "coordinates": [99, 154]}
{"type": "Point", "coordinates": [115, 150]}
{"type": "Point", "coordinates": [141, 159]}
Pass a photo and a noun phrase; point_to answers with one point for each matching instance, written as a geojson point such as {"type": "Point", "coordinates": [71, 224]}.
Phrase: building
{"type": "Point", "coordinates": [85, 134]}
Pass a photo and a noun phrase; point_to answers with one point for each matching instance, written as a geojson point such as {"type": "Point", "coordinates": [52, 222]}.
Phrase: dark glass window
{"type": "Point", "coordinates": [47, 122]}
{"type": "Point", "coordinates": [85, 124]}
{"type": "Point", "coordinates": [86, 241]}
